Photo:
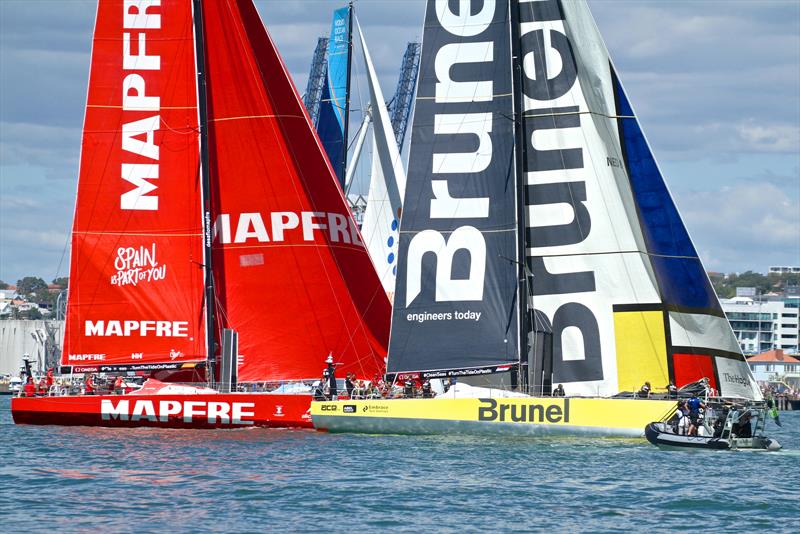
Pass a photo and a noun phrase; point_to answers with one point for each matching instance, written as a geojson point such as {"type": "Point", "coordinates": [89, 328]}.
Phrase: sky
{"type": "Point", "coordinates": [715, 84]}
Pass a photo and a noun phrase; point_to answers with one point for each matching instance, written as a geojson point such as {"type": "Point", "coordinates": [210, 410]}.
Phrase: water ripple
{"type": "Point", "coordinates": [148, 480]}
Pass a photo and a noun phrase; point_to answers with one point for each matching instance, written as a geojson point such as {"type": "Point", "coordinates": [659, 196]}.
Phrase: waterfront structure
{"type": "Point", "coordinates": [766, 323]}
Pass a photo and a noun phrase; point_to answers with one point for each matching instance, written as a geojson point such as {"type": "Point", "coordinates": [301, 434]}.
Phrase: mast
{"type": "Point", "coordinates": [202, 110]}
{"type": "Point", "coordinates": [519, 143]}
{"type": "Point", "coordinates": [347, 90]}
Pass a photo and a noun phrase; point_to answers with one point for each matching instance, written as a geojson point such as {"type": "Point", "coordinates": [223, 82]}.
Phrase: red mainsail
{"type": "Point", "coordinates": [136, 278]}
{"type": "Point", "coordinates": [292, 275]}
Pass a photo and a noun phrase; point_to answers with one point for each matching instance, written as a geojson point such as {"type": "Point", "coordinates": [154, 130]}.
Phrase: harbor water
{"type": "Point", "coordinates": [147, 480]}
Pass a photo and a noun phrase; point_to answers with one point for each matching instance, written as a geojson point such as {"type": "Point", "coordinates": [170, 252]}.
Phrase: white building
{"type": "Point", "coordinates": [764, 325]}
{"type": "Point", "coordinates": [775, 366]}
{"type": "Point", "coordinates": [784, 270]}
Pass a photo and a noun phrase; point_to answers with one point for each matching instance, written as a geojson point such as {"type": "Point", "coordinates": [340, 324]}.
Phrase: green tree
{"type": "Point", "coordinates": [34, 289]}
{"type": "Point", "coordinates": [30, 285]}
{"type": "Point", "coordinates": [62, 282]}
{"type": "Point", "coordinates": [32, 314]}
{"type": "Point", "coordinates": [3, 285]}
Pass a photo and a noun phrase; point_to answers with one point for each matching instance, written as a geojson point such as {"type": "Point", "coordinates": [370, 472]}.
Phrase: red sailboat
{"type": "Point", "coordinates": [209, 225]}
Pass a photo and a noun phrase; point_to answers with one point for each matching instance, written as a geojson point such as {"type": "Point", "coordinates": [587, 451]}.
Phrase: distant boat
{"type": "Point", "coordinates": [539, 244]}
{"type": "Point", "coordinates": [211, 241]}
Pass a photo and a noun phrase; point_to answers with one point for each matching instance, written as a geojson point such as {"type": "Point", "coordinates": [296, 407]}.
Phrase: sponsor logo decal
{"type": "Point", "coordinates": [328, 408]}
{"type": "Point", "coordinates": [129, 328]}
{"type": "Point", "coordinates": [280, 226]}
{"type": "Point", "coordinates": [136, 265]}
{"type": "Point", "coordinates": [375, 408]}
{"type": "Point", "coordinates": [138, 135]}
{"type": "Point", "coordinates": [523, 412]}
{"type": "Point", "coordinates": [278, 411]}
{"type": "Point", "coordinates": [230, 413]}
{"type": "Point", "coordinates": [86, 357]}
{"type": "Point", "coordinates": [349, 408]}
{"type": "Point", "coordinates": [733, 378]}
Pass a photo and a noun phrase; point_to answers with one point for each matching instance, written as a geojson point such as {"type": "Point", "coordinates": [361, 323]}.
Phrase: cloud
{"type": "Point", "coordinates": [53, 147]}
{"type": "Point", "coordinates": [716, 87]}
{"type": "Point", "coordinates": [743, 226]}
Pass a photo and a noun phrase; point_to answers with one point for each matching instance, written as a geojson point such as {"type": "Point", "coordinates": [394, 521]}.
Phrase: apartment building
{"type": "Point", "coordinates": [766, 323]}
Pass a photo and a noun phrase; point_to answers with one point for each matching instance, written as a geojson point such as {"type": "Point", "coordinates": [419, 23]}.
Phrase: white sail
{"type": "Point", "coordinates": [614, 267]}
{"type": "Point", "coordinates": [380, 229]}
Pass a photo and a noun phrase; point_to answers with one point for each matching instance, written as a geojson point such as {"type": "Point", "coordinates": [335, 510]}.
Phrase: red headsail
{"type": "Point", "coordinates": [293, 277]}
{"type": "Point", "coordinates": [136, 280]}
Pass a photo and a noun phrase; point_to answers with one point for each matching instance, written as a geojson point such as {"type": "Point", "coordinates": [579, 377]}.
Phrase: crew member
{"type": "Point", "coordinates": [672, 391]}
{"type": "Point", "coordinates": [408, 388]}
{"type": "Point", "coordinates": [349, 384]}
{"type": "Point", "coordinates": [30, 388]}
{"type": "Point", "coordinates": [42, 386]}
{"type": "Point", "coordinates": [645, 390]}
{"type": "Point", "coordinates": [88, 385]}
{"type": "Point", "coordinates": [119, 385]}
{"type": "Point", "coordinates": [331, 377]}
{"type": "Point", "coordinates": [427, 392]}
{"type": "Point", "coordinates": [49, 378]}
{"type": "Point", "coordinates": [559, 391]}
{"type": "Point", "coordinates": [695, 405]}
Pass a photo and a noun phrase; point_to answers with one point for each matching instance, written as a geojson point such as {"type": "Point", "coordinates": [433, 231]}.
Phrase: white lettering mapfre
{"type": "Point", "coordinates": [141, 23]}
{"type": "Point", "coordinates": [137, 328]}
{"type": "Point", "coordinates": [211, 412]}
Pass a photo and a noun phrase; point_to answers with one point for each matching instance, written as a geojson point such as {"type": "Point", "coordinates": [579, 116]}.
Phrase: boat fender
{"type": "Point", "coordinates": [772, 445]}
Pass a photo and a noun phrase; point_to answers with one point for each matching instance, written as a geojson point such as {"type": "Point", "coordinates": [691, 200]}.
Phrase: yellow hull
{"type": "Point", "coordinates": [510, 416]}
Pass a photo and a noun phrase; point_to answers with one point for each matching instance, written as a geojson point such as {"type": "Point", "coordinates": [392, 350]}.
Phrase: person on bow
{"type": "Point", "coordinates": [559, 391]}
{"type": "Point", "coordinates": [331, 369]}
{"type": "Point", "coordinates": [644, 392]}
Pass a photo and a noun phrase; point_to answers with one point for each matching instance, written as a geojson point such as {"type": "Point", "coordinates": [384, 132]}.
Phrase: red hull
{"type": "Point", "coordinates": [232, 410]}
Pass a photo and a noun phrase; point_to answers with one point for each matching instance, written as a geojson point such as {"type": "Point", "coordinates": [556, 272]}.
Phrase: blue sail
{"type": "Point", "coordinates": [333, 105]}
{"type": "Point", "coordinates": [681, 277]}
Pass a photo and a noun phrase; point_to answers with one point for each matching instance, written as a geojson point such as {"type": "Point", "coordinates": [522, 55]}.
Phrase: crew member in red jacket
{"type": "Point", "coordinates": [118, 386]}
{"type": "Point", "coordinates": [30, 388]}
{"type": "Point", "coordinates": [89, 385]}
{"type": "Point", "coordinates": [42, 386]}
